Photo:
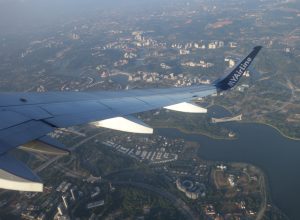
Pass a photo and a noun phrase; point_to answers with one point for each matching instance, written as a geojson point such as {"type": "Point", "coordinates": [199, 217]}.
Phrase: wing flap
{"type": "Point", "coordinates": [9, 118]}
{"type": "Point", "coordinates": [22, 133]}
{"type": "Point", "coordinates": [14, 175]}
{"type": "Point", "coordinates": [32, 112]}
{"type": "Point", "coordinates": [45, 145]}
{"type": "Point", "coordinates": [68, 120]}
{"type": "Point", "coordinates": [125, 106]}
{"type": "Point", "coordinates": [75, 107]}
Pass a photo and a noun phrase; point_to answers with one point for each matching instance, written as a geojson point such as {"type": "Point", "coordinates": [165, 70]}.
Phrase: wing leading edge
{"type": "Point", "coordinates": [27, 117]}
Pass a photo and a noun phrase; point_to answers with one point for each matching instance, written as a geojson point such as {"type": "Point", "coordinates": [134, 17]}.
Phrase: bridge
{"type": "Point", "coordinates": [227, 119]}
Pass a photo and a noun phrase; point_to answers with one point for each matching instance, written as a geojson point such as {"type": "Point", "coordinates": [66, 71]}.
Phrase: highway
{"type": "Point", "coordinates": [178, 203]}
{"type": "Point", "coordinates": [52, 160]}
{"type": "Point", "coordinates": [226, 119]}
{"type": "Point", "coordinates": [263, 205]}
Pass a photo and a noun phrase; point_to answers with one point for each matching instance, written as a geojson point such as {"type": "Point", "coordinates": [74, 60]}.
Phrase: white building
{"type": "Point", "coordinates": [212, 46]}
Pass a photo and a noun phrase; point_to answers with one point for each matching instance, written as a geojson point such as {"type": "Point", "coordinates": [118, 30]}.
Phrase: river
{"type": "Point", "coordinates": [263, 146]}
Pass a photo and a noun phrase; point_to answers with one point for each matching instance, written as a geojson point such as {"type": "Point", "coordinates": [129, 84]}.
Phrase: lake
{"type": "Point", "coordinates": [263, 146]}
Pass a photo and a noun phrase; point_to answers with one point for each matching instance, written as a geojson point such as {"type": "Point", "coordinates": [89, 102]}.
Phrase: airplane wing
{"type": "Point", "coordinates": [27, 118]}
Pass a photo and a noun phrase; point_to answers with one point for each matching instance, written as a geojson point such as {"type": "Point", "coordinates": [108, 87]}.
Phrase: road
{"type": "Point", "coordinates": [227, 119]}
{"type": "Point", "coordinates": [178, 203]}
{"type": "Point", "coordinates": [263, 205]}
{"type": "Point", "coordinates": [52, 160]}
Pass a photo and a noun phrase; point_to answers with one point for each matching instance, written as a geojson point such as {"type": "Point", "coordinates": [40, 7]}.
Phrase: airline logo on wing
{"type": "Point", "coordinates": [239, 72]}
{"type": "Point", "coordinates": [232, 78]}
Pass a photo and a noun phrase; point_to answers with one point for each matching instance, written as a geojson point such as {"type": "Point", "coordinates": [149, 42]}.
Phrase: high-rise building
{"type": "Point", "coordinates": [72, 194]}
{"type": "Point", "coordinates": [59, 209]}
{"type": "Point", "coordinates": [64, 198]}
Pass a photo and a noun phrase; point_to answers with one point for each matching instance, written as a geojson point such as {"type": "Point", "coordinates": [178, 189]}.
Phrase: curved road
{"type": "Point", "coordinates": [178, 203]}
{"type": "Point", "coordinates": [44, 165]}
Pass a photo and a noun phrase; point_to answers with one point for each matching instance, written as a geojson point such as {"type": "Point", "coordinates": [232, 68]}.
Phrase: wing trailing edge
{"type": "Point", "coordinates": [45, 145]}
{"type": "Point", "coordinates": [14, 175]}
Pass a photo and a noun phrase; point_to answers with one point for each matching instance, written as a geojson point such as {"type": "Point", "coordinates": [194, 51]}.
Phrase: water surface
{"type": "Point", "coordinates": [263, 146]}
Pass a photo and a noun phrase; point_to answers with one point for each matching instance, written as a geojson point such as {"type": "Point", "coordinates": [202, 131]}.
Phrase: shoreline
{"type": "Point", "coordinates": [265, 184]}
{"type": "Point", "coordinates": [266, 189]}
{"type": "Point", "coordinates": [274, 127]}
{"type": "Point", "coordinates": [194, 133]}
{"type": "Point", "coordinates": [227, 138]}
{"type": "Point", "coordinates": [263, 123]}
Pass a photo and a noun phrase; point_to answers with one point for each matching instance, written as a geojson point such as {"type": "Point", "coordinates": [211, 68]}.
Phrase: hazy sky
{"type": "Point", "coordinates": [15, 14]}
{"type": "Point", "coordinates": [15, 11]}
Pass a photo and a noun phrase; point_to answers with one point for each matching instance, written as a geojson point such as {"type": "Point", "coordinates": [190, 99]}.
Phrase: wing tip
{"type": "Point", "coordinates": [259, 47]}
{"type": "Point", "coordinates": [235, 75]}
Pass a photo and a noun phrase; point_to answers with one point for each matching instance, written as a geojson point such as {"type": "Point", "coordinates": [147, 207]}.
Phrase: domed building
{"type": "Point", "coordinates": [192, 190]}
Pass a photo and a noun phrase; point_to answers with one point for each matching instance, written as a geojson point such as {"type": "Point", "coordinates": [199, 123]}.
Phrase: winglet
{"type": "Point", "coordinates": [232, 78]}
